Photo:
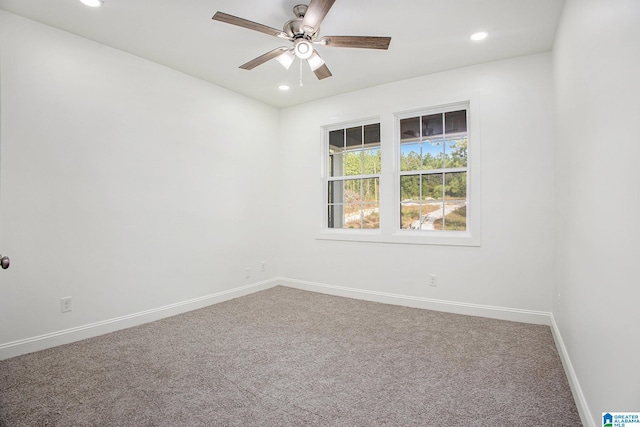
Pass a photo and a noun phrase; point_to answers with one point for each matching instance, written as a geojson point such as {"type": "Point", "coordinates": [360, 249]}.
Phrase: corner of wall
{"type": "Point", "coordinates": [574, 383]}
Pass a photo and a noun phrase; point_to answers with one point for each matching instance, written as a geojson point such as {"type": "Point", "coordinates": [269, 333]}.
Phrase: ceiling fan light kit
{"type": "Point", "coordinates": [303, 48]}
{"type": "Point", "coordinates": [303, 32]}
{"type": "Point", "coordinates": [286, 59]}
{"type": "Point", "coordinates": [315, 61]}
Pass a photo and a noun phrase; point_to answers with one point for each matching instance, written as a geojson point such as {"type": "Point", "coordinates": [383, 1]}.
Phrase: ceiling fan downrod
{"type": "Point", "coordinates": [299, 10]}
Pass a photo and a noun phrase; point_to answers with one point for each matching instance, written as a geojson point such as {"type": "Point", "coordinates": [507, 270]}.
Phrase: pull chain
{"type": "Point", "coordinates": [301, 73]}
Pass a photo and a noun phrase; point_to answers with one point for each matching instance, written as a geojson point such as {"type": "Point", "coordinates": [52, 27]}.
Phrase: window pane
{"type": "Point", "coordinates": [335, 216]}
{"type": "Point", "coordinates": [433, 154]}
{"type": "Point", "coordinates": [455, 153]}
{"type": "Point", "coordinates": [354, 137]}
{"type": "Point", "coordinates": [456, 186]}
{"type": "Point", "coordinates": [432, 125]}
{"type": "Point", "coordinates": [410, 215]}
{"type": "Point", "coordinates": [372, 160]}
{"type": "Point", "coordinates": [410, 129]}
{"type": "Point", "coordinates": [372, 134]}
{"type": "Point", "coordinates": [419, 216]}
{"type": "Point", "coordinates": [410, 159]}
{"type": "Point", "coordinates": [455, 208]}
{"type": "Point", "coordinates": [336, 164]}
{"type": "Point", "coordinates": [336, 140]}
{"type": "Point", "coordinates": [352, 190]}
{"type": "Point", "coordinates": [409, 188]}
{"type": "Point", "coordinates": [353, 162]}
{"type": "Point", "coordinates": [431, 214]}
{"type": "Point", "coordinates": [347, 191]}
{"type": "Point", "coordinates": [336, 151]}
{"type": "Point", "coordinates": [432, 187]}
{"type": "Point", "coordinates": [352, 216]}
{"type": "Point", "coordinates": [455, 219]}
{"type": "Point", "coordinates": [370, 190]}
{"type": "Point", "coordinates": [371, 215]}
{"type": "Point", "coordinates": [456, 121]}
{"type": "Point", "coordinates": [336, 191]}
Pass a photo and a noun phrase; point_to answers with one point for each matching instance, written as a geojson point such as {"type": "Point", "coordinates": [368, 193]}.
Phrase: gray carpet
{"type": "Point", "coordinates": [285, 357]}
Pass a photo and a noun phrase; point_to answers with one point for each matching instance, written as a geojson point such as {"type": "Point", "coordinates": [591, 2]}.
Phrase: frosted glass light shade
{"type": "Point", "coordinates": [315, 61]}
{"type": "Point", "coordinates": [286, 59]}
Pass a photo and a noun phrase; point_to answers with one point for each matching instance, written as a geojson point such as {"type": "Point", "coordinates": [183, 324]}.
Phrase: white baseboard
{"type": "Point", "coordinates": [67, 336]}
{"type": "Point", "coordinates": [502, 313]}
{"type": "Point", "coordinates": [578, 395]}
{"type": "Point", "coordinates": [29, 345]}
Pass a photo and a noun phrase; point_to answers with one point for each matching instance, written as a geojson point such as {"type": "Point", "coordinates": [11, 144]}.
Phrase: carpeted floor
{"type": "Point", "coordinates": [285, 357]}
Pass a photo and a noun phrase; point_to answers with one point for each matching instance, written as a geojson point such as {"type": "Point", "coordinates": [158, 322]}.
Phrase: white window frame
{"type": "Point", "coordinates": [326, 178]}
{"type": "Point", "coordinates": [390, 231]}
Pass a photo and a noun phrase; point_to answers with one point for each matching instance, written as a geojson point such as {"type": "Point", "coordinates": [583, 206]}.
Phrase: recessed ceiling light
{"type": "Point", "coordinates": [92, 3]}
{"type": "Point", "coordinates": [480, 35]}
{"type": "Point", "coordinates": [284, 88]}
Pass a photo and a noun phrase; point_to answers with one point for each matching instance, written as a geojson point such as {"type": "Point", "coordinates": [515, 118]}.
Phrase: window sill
{"type": "Point", "coordinates": [404, 237]}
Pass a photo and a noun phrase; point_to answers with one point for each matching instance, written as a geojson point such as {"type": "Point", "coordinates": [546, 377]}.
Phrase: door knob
{"type": "Point", "coordinates": [4, 262]}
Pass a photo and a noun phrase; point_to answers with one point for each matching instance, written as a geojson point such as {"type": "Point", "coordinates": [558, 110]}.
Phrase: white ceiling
{"type": "Point", "coordinates": [427, 36]}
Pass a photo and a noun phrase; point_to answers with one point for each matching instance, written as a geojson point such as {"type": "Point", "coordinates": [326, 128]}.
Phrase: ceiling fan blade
{"type": "Point", "coordinates": [264, 58]}
{"type": "Point", "coordinates": [244, 23]}
{"type": "Point", "coordinates": [362, 42]}
{"type": "Point", "coordinates": [322, 72]}
{"type": "Point", "coordinates": [315, 14]}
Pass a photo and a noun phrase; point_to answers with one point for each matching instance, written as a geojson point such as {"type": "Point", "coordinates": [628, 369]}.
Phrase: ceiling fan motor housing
{"type": "Point", "coordinates": [293, 28]}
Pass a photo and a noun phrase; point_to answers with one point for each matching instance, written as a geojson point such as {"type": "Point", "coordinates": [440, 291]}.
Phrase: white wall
{"type": "Point", "coordinates": [596, 69]}
{"type": "Point", "coordinates": [512, 266]}
{"type": "Point", "coordinates": [124, 184]}
{"type": "Point", "coordinates": [130, 186]}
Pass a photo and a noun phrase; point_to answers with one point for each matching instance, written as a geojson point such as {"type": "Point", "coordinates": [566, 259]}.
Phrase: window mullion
{"type": "Point", "coordinates": [350, 177]}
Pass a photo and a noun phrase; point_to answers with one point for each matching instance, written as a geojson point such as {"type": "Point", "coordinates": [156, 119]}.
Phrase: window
{"type": "Point", "coordinates": [410, 178]}
{"type": "Point", "coordinates": [433, 171]}
{"type": "Point", "coordinates": [354, 168]}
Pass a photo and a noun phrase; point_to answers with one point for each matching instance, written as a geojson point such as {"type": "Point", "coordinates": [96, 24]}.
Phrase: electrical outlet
{"type": "Point", "coordinates": [65, 304]}
{"type": "Point", "coordinates": [433, 280]}
{"type": "Point", "coordinates": [247, 273]}
{"type": "Point", "coordinates": [263, 265]}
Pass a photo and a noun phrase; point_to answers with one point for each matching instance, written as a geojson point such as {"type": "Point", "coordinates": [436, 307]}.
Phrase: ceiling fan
{"type": "Point", "coordinates": [303, 32]}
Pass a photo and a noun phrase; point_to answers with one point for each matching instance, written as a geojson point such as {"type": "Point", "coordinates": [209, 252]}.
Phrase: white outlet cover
{"type": "Point", "coordinates": [65, 304]}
